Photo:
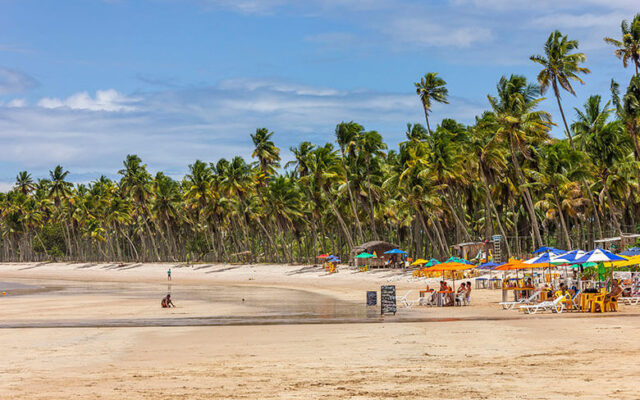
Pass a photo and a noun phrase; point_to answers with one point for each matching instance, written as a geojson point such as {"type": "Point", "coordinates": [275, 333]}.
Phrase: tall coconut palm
{"type": "Point", "coordinates": [371, 145]}
{"type": "Point", "coordinates": [347, 136]}
{"type": "Point", "coordinates": [560, 67]}
{"type": "Point", "coordinates": [628, 48]}
{"type": "Point", "coordinates": [266, 152]}
{"type": "Point", "coordinates": [24, 183]}
{"type": "Point", "coordinates": [520, 123]}
{"type": "Point", "coordinates": [431, 88]}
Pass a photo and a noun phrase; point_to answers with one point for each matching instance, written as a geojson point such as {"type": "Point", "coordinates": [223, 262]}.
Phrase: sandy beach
{"type": "Point", "coordinates": [118, 343]}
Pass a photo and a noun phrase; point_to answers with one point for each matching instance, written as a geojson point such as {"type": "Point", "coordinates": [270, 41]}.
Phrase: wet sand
{"type": "Point", "coordinates": [472, 352]}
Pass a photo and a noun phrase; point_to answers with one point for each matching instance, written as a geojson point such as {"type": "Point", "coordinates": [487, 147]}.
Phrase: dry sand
{"type": "Point", "coordinates": [472, 352]}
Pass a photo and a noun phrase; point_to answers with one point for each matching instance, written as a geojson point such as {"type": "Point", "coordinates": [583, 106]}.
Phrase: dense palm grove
{"type": "Point", "coordinates": [503, 175]}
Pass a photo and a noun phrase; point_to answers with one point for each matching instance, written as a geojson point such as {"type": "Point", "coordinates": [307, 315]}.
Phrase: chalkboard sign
{"type": "Point", "coordinates": [388, 299]}
{"type": "Point", "coordinates": [372, 298]}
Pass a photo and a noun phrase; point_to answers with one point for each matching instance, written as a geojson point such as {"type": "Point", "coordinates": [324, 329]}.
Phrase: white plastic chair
{"type": "Point", "coordinates": [508, 305]}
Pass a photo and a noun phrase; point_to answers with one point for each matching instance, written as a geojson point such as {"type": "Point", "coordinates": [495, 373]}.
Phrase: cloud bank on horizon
{"type": "Point", "coordinates": [175, 81]}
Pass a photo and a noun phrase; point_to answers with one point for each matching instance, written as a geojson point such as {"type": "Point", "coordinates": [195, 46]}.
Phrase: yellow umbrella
{"type": "Point", "coordinates": [419, 261]}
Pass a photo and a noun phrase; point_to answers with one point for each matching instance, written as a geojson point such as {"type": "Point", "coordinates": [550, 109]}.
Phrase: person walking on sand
{"type": "Point", "coordinates": [169, 274]}
{"type": "Point", "coordinates": [166, 302]}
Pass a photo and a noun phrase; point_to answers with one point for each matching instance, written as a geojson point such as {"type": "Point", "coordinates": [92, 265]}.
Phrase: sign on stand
{"type": "Point", "coordinates": [372, 298]}
{"type": "Point", "coordinates": [388, 299]}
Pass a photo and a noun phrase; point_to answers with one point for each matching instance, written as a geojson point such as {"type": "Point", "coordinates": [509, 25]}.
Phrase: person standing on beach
{"type": "Point", "coordinates": [169, 274]}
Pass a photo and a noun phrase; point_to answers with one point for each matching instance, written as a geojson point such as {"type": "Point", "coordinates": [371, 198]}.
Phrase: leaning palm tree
{"type": "Point", "coordinates": [560, 67]}
{"type": "Point", "coordinates": [629, 47]}
{"type": "Point", "coordinates": [431, 88]}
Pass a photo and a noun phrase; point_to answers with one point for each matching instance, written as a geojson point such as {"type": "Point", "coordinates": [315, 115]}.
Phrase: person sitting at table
{"type": "Point", "coordinates": [529, 282]}
{"type": "Point", "coordinates": [468, 293]}
{"type": "Point", "coordinates": [462, 288]}
{"type": "Point", "coordinates": [615, 291]}
{"type": "Point", "coordinates": [461, 294]}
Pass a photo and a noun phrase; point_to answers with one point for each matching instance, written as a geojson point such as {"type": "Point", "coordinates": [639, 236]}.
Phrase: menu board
{"type": "Point", "coordinates": [372, 298]}
{"type": "Point", "coordinates": [388, 299]}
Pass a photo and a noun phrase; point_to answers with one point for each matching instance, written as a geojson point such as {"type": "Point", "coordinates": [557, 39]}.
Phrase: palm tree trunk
{"type": "Point", "coordinates": [612, 207]}
{"type": "Point", "coordinates": [341, 222]}
{"type": "Point", "coordinates": [493, 206]}
{"type": "Point", "coordinates": [563, 224]}
{"type": "Point", "coordinates": [525, 193]}
{"type": "Point", "coordinates": [566, 126]}
{"type": "Point", "coordinates": [371, 209]}
{"type": "Point", "coordinates": [426, 118]}
{"type": "Point", "coordinates": [351, 199]}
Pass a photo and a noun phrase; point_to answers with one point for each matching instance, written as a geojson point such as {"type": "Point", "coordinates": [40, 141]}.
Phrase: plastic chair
{"type": "Point", "coordinates": [612, 304]}
{"type": "Point", "coordinates": [597, 303]}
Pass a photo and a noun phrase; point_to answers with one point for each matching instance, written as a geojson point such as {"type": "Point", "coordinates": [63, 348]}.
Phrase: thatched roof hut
{"type": "Point", "coordinates": [377, 246]}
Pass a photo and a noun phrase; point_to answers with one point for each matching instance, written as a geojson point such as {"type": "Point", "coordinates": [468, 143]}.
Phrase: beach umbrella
{"type": "Point", "coordinates": [395, 251]}
{"type": "Point", "coordinates": [364, 255]}
{"type": "Point", "coordinates": [598, 256]}
{"type": "Point", "coordinates": [432, 262]}
{"type": "Point", "coordinates": [632, 251]}
{"type": "Point", "coordinates": [323, 256]}
{"type": "Point", "coordinates": [488, 265]}
{"type": "Point", "coordinates": [569, 257]}
{"type": "Point", "coordinates": [419, 261]}
{"type": "Point", "coordinates": [545, 249]}
{"type": "Point", "coordinates": [450, 266]}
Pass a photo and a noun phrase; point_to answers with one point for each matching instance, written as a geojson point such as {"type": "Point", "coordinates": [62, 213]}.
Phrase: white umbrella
{"type": "Point", "coordinates": [598, 256]}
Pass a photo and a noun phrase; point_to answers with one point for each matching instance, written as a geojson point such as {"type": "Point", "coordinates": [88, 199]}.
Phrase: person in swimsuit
{"type": "Point", "coordinates": [166, 302]}
{"type": "Point", "coordinates": [615, 291]}
{"type": "Point", "coordinates": [169, 274]}
{"type": "Point", "coordinates": [468, 293]}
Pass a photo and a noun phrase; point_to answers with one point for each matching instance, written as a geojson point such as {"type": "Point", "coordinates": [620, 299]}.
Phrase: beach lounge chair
{"type": "Point", "coordinates": [508, 305]}
{"type": "Point", "coordinates": [404, 300]}
{"type": "Point", "coordinates": [630, 300]}
{"type": "Point", "coordinates": [556, 305]}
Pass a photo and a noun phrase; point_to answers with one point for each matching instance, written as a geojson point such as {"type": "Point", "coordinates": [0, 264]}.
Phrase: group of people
{"type": "Point", "coordinates": [451, 297]}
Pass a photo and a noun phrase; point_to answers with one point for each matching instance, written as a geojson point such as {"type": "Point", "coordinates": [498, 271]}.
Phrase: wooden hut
{"type": "Point", "coordinates": [377, 246]}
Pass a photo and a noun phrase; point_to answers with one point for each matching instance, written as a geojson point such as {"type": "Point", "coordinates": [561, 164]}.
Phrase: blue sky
{"type": "Point", "coordinates": [84, 83]}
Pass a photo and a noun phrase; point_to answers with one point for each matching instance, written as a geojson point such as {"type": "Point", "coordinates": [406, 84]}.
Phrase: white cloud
{"type": "Point", "coordinates": [421, 31]}
{"type": "Point", "coordinates": [13, 81]}
{"type": "Point", "coordinates": [104, 100]}
{"type": "Point", "coordinates": [5, 187]}
{"type": "Point", "coordinates": [171, 128]}
{"type": "Point", "coordinates": [17, 103]}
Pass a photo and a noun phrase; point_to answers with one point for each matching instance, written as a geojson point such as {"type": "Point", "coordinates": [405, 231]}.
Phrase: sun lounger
{"type": "Point", "coordinates": [404, 300]}
{"type": "Point", "coordinates": [556, 305]}
{"type": "Point", "coordinates": [508, 305]}
{"type": "Point", "coordinates": [630, 300]}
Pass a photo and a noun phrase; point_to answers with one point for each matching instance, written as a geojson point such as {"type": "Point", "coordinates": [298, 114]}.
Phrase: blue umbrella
{"type": "Point", "coordinates": [395, 251]}
{"type": "Point", "coordinates": [488, 265]}
{"type": "Point", "coordinates": [545, 249]}
{"type": "Point", "coordinates": [570, 256]}
{"type": "Point", "coordinates": [631, 251]}
{"type": "Point", "coordinates": [598, 256]}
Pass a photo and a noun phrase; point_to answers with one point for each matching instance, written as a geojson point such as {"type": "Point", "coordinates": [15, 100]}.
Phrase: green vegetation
{"type": "Point", "coordinates": [502, 175]}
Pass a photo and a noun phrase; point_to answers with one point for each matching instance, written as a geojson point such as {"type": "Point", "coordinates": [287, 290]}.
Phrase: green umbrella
{"type": "Point", "coordinates": [364, 255]}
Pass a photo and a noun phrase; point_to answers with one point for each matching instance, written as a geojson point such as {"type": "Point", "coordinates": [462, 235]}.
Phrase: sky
{"type": "Point", "coordinates": [83, 83]}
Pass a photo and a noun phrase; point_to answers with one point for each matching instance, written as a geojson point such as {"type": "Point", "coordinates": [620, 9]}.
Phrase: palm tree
{"type": "Point", "coordinates": [629, 47]}
{"type": "Point", "coordinates": [431, 88]}
{"type": "Point", "coordinates": [519, 124]}
{"type": "Point", "coordinates": [347, 136]}
{"type": "Point", "coordinates": [370, 146]}
{"type": "Point", "coordinates": [24, 183]}
{"type": "Point", "coordinates": [266, 152]}
{"type": "Point", "coordinates": [59, 188]}
{"type": "Point", "coordinates": [607, 147]}
{"type": "Point", "coordinates": [560, 68]}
